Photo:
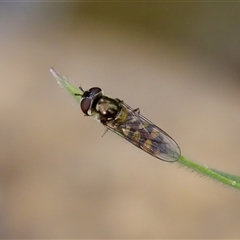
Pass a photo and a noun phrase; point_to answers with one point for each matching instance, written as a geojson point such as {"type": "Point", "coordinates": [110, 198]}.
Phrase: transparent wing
{"type": "Point", "coordinates": [147, 136]}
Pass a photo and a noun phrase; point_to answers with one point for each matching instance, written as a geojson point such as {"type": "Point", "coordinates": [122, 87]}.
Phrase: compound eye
{"type": "Point", "coordinates": [95, 90]}
{"type": "Point", "coordinates": [85, 105]}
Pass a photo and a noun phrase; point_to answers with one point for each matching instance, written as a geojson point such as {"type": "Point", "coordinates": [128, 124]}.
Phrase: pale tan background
{"type": "Point", "coordinates": [178, 62]}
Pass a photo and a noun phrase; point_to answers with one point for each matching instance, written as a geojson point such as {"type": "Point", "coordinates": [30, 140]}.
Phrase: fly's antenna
{"type": "Point", "coordinates": [79, 94]}
{"type": "Point", "coordinates": [81, 88]}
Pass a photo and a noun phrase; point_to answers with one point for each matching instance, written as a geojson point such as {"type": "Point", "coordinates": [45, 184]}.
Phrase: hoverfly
{"type": "Point", "coordinates": [128, 123]}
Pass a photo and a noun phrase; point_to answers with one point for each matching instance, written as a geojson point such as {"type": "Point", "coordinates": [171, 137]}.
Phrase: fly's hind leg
{"type": "Point", "coordinates": [137, 110]}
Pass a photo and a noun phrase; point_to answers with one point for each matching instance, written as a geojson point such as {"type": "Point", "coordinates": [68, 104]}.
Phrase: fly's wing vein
{"type": "Point", "coordinates": [145, 135]}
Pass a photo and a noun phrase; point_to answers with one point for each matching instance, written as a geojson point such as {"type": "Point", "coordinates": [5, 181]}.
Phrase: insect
{"type": "Point", "coordinates": [128, 123]}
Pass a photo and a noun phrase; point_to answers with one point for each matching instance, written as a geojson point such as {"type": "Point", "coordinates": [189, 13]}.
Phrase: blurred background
{"type": "Point", "coordinates": [177, 62]}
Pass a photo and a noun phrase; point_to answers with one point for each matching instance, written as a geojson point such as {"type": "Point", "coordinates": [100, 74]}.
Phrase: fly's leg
{"type": "Point", "coordinates": [137, 110]}
{"type": "Point", "coordinates": [105, 131]}
{"type": "Point", "coordinates": [104, 123]}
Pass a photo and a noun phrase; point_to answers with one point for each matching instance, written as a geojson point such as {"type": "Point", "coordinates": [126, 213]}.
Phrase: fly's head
{"type": "Point", "coordinates": [89, 99]}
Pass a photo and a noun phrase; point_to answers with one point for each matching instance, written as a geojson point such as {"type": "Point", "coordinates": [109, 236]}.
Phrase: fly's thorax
{"type": "Point", "coordinates": [107, 108]}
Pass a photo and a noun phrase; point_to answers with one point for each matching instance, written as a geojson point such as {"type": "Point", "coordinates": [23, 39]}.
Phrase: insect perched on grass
{"type": "Point", "coordinates": [118, 117]}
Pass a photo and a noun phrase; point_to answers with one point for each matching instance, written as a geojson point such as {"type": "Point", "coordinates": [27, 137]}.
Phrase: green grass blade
{"type": "Point", "coordinates": [63, 82]}
{"type": "Point", "coordinates": [222, 177]}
